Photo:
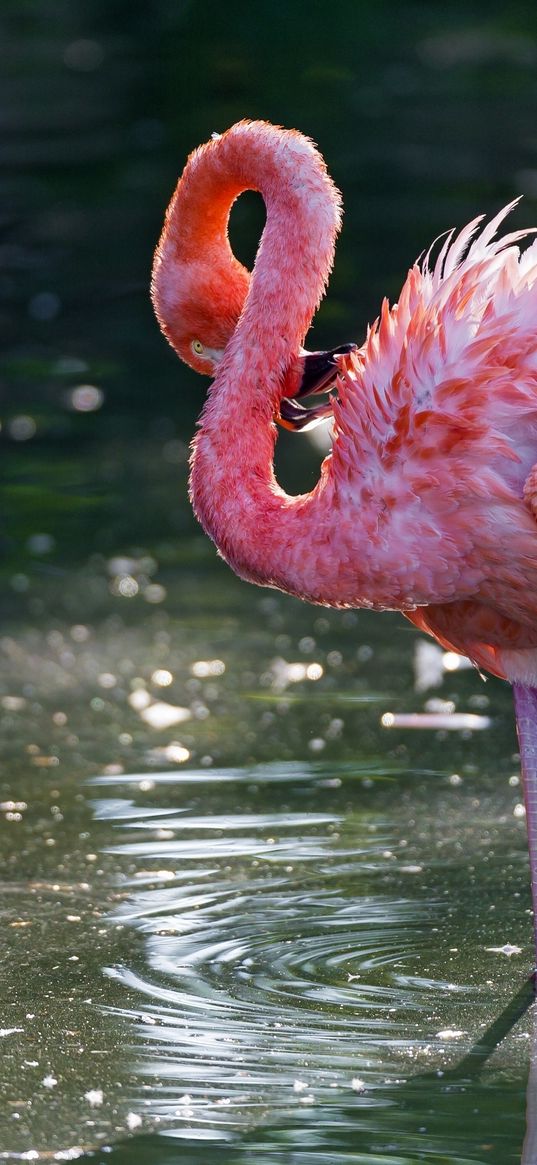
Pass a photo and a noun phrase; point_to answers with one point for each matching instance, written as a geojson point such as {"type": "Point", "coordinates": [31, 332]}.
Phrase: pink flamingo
{"type": "Point", "coordinates": [428, 501]}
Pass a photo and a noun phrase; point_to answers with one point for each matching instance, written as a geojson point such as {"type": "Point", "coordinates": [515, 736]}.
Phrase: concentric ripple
{"type": "Point", "coordinates": [281, 962]}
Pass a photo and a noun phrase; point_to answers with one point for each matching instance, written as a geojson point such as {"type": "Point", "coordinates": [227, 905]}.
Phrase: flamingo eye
{"type": "Point", "coordinates": [197, 347]}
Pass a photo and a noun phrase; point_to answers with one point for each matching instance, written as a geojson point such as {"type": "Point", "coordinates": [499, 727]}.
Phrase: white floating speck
{"type": "Point", "coordinates": [507, 949]}
{"type": "Point", "coordinates": [357, 1085]}
{"type": "Point", "coordinates": [203, 668]}
{"type": "Point", "coordinates": [449, 1033]}
{"type": "Point", "coordinates": [162, 715]}
{"type": "Point", "coordinates": [162, 677]}
{"type": "Point", "coordinates": [452, 721]}
{"type": "Point", "coordinates": [49, 1081]}
{"type": "Point", "coordinates": [139, 699]}
{"type": "Point", "coordinates": [85, 398]}
{"type": "Point", "coordinates": [133, 1121]}
{"type": "Point", "coordinates": [94, 1097]}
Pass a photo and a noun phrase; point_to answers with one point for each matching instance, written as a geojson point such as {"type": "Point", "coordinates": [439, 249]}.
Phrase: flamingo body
{"type": "Point", "coordinates": [428, 501]}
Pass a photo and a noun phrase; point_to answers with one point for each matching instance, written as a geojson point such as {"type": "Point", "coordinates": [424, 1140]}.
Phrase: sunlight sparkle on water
{"type": "Point", "coordinates": [431, 664]}
{"type": "Point", "coordinates": [452, 721]}
{"type": "Point", "coordinates": [162, 715]}
{"type": "Point", "coordinates": [283, 673]}
{"type": "Point", "coordinates": [162, 678]}
{"type": "Point", "coordinates": [508, 949]}
{"type": "Point", "coordinates": [203, 668]}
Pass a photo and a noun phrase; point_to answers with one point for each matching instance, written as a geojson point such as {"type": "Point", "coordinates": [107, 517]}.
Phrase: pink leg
{"type": "Point", "coordinates": [526, 722]}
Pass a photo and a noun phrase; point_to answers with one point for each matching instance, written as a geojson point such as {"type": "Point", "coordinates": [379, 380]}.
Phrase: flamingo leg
{"type": "Point", "coordinates": [526, 722]}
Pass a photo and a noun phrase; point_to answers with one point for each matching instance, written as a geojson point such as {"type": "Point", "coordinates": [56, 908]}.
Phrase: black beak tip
{"type": "Point", "coordinates": [320, 369]}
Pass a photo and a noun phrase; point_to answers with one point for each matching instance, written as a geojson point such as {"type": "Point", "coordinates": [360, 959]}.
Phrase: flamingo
{"type": "Point", "coordinates": [427, 503]}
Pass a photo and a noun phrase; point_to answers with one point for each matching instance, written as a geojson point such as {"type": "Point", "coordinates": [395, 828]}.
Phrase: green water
{"type": "Point", "coordinates": [244, 920]}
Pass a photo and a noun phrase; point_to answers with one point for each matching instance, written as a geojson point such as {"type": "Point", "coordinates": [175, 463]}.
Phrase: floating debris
{"type": "Point", "coordinates": [203, 668]}
{"type": "Point", "coordinates": [94, 1097]}
{"type": "Point", "coordinates": [283, 673]}
{"type": "Point", "coordinates": [162, 715]}
{"type": "Point", "coordinates": [431, 664]}
{"type": "Point", "coordinates": [508, 949]}
{"type": "Point", "coordinates": [452, 721]}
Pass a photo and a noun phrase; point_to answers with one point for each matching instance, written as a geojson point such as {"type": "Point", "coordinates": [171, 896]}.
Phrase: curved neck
{"type": "Point", "coordinates": [233, 488]}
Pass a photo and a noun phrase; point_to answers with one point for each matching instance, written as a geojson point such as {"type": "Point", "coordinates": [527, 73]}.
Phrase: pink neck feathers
{"type": "Point", "coordinates": [233, 489]}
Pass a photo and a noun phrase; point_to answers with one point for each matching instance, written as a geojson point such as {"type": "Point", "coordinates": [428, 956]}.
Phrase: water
{"type": "Point", "coordinates": [251, 911]}
{"type": "Point", "coordinates": [275, 925]}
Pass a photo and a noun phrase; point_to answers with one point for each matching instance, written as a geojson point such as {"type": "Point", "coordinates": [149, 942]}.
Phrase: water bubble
{"type": "Point", "coordinates": [86, 398]}
{"type": "Point", "coordinates": [162, 678]}
{"type": "Point", "coordinates": [19, 583]}
{"type": "Point", "coordinates": [174, 753]}
{"type": "Point", "coordinates": [139, 699]}
{"type": "Point", "coordinates": [120, 564]}
{"type": "Point", "coordinates": [442, 706]}
{"type": "Point", "coordinates": [21, 428]}
{"type": "Point", "coordinates": [40, 543]}
{"type": "Point", "coordinates": [208, 667]}
{"type": "Point", "coordinates": [13, 703]}
{"type": "Point", "coordinates": [125, 586]}
{"type": "Point", "coordinates": [154, 593]}
{"type": "Point", "coordinates": [80, 633]}
{"type": "Point", "coordinates": [306, 644]}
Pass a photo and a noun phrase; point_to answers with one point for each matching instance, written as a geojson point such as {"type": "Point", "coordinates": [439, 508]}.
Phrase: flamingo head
{"type": "Point", "coordinates": [198, 305]}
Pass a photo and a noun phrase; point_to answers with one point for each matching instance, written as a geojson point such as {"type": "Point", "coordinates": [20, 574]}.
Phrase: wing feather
{"type": "Point", "coordinates": [451, 369]}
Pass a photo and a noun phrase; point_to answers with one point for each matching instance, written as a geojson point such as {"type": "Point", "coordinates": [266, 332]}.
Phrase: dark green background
{"type": "Point", "coordinates": [426, 115]}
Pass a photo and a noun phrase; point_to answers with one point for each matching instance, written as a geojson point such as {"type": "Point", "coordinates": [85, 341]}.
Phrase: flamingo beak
{"type": "Point", "coordinates": [318, 373]}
